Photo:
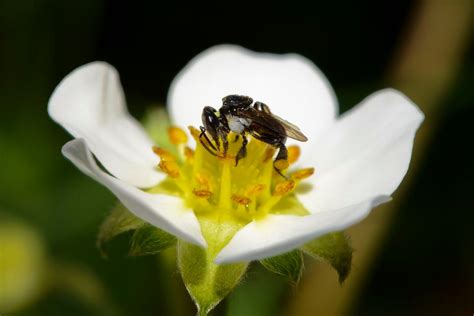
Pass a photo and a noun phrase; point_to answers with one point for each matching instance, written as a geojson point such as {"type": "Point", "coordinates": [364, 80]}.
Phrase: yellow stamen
{"type": "Point", "coordinates": [203, 181]}
{"type": "Point", "coordinates": [294, 153]}
{"type": "Point", "coordinates": [284, 187]}
{"type": "Point", "coordinates": [269, 152]}
{"type": "Point", "coordinates": [256, 190]}
{"type": "Point", "coordinates": [163, 154]}
{"type": "Point", "coordinates": [281, 189]}
{"type": "Point", "coordinates": [177, 135]}
{"type": "Point", "coordinates": [202, 193]}
{"type": "Point", "coordinates": [281, 164]}
{"type": "Point", "coordinates": [171, 168]}
{"type": "Point", "coordinates": [240, 199]}
{"type": "Point", "coordinates": [211, 184]}
{"type": "Point", "coordinates": [194, 133]}
{"type": "Point", "coordinates": [188, 153]}
{"type": "Point", "coordinates": [302, 174]}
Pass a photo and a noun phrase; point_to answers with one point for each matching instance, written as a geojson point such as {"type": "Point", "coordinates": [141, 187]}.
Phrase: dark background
{"type": "Point", "coordinates": [426, 264]}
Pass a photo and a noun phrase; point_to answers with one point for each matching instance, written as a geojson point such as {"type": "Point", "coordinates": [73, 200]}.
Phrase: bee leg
{"type": "Point", "coordinates": [242, 151]}
{"type": "Point", "coordinates": [214, 153]}
{"type": "Point", "coordinates": [208, 142]}
{"type": "Point", "coordinates": [225, 144]}
{"type": "Point", "coordinates": [262, 107]}
{"type": "Point", "coordinates": [203, 133]}
{"type": "Point", "coordinates": [280, 161]}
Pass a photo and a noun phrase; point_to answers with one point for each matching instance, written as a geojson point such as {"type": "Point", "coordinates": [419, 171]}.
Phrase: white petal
{"type": "Point", "coordinates": [89, 103]}
{"type": "Point", "coordinates": [163, 211]}
{"type": "Point", "coordinates": [365, 154]}
{"type": "Point", "coordinates": [277, 234]}
{"type": "Point", "coordinates": [291, 85]}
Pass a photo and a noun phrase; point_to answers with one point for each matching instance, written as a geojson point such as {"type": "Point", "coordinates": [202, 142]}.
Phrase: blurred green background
{"type": "Point", "coordinates": [423, 262]}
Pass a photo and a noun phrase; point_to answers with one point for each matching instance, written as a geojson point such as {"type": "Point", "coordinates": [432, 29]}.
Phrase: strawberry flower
{"type": "Point", "coordinates": [350, 164]}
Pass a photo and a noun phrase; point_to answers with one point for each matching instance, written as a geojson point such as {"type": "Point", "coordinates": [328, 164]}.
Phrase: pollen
{"type": "Point", "coordinates": [177, 135]}
{"type": "Point", "coordinates": [210, 181]}
{"type": "Point", "coordinates": [284, 187]}
{"type": "Point", "coordinates": [171, 168]}
{"type": "Point", "coordinates": [302, 174]}
{"type": "Point", "coordinates": [281, 164]}
{"type": "Point", "coordinates": [163, 154]}
{"type": "Point", "coordinates": [240, 199]}
{"type": "Point", "coordinates": [188, 153]}
{"type": "Point", "coordinates": [194, 132]}
{"type": "Point", "coordinates": [203, 180]}
{"type": "Point", "coordinates": [256, 190]}
{"type": "Point", "coordinates": [202, 193]}
{"type": "Point", "coordinates": [294, 153]}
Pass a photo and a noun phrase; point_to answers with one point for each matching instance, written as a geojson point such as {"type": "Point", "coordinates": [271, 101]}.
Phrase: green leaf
{"type": "Point", "coordinates": [289, 264]}
{"type": "Point", "coordinates": [149, 240]}
{"type": "Point", "coordinates": [206, 282]}
{"type": "Point", "coordinates": [335, 249]}
{"type": "Point", "coordinates": [117, 222]}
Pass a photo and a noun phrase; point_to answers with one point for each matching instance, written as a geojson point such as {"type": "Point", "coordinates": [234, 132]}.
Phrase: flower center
{"type": "Point", "coordinates": [215, 184]}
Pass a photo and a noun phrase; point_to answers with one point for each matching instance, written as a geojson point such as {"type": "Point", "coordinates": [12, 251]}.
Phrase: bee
{"type": "Point", "coordinates": [238, 115]}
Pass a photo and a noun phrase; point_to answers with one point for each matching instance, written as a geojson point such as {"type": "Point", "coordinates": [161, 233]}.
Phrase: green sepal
{"type": "Point", "coordinates": [119, 220]}
{"type": "Point", "coordinates": [149, 240]}
{"type": "Point", "coordinates": [289, 264]}
{"type": "Point", "coordinates": [334, 248]}
{"type": "Point", "coordinates": [206, 282]}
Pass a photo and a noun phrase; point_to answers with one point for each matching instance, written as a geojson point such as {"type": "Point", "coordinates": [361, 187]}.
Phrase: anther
{"type": "Point", "coordinates": [171, 168]}
{"type": "Point", "coordinates": [188, 153]}
{"type": "Point", "coordinates": [302, 174]}
{"type": "Point", "coordinates": [202, 193]}
{"type": "Point", "coordinates": [177, 135]}
{"type": "Point", "coordinates": [163, 153]}
{"type": "Point", "coordinates": [240, 199]}
{"type": "Point", "coordinates": [202, 180]}
{"type": "Point", "coordinates": [284, 187]}
{"type": "Point", "coordinates": [194, 133]}
{"type": "Point", "coordinates": [293, 153]}
{"type": "Point", "coordinates": [256, 189]}
{"type": "Point", "coordinates": [281, 164]}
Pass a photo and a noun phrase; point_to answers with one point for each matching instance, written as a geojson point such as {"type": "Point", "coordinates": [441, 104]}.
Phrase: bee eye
{"type": "Point", "coordinates": [210, 121]}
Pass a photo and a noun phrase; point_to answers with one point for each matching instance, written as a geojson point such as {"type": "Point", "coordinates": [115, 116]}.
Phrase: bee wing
{"type": "Point", "coordinates": [266, 118]}
{"type": "Point", "coordinates": [291, 129]}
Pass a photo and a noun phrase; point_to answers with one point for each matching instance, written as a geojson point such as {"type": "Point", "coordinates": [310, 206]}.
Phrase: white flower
{"type": "Point", "coordinates": [360, 157]}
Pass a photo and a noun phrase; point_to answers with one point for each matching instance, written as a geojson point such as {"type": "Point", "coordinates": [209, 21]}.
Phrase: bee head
{"type": "Point", "coordinates": [237, 101]}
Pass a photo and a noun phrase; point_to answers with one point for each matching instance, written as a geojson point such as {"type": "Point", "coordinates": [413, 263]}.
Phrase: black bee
{"type": "Point", "coordinates": [239, 116]}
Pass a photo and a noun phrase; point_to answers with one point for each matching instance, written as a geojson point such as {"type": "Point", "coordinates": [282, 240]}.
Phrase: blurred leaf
{"type": "Point", "coordinates": [82, 283]}
{"type": "Point", "coordinates": [261, 294]}
{"type": "Point", "coordinates": [289, 264]}
{"type": "Point", "coordinates": [206, 282]}
{"type": "Point", "coordinates": [117, 222]}
{"type": "Point", "coordinates": [335, 249]}
{"type": "Point", "coordinates": [149, 240]}
{"type": "Point", "coordinates": [23, 261]}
